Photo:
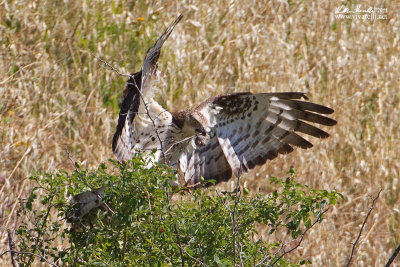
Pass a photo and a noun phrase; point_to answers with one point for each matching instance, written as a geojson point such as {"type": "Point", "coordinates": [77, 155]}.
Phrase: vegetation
{"type": "Point", "coordinates": [143, 226]}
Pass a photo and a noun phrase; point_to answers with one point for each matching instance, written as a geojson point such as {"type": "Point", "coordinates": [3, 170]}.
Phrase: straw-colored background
{"type": "Point", "coordinates": [56, 97]}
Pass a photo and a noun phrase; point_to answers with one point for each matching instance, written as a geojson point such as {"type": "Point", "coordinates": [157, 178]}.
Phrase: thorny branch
{"type": "Point", "coordinates": [362, 227]}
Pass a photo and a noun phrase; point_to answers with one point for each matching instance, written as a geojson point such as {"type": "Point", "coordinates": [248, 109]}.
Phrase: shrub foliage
{"type": "Point", "coordinates": [140, 224]}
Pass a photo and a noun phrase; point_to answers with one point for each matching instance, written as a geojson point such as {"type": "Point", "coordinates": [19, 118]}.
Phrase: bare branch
{"type": "Point", "coordinates": [394, 255]}
{"type": "Point", "coordinates": [152, 120]}
{"type": "Point", "coordinates": [178, 240]}
{"type": "Point", "coordinates": [233, 213]}
{"type": "Point", "coordinates": [193, 258]}
{"type": "Point", "coordinates": [362, 227]}
{"type": "Point", "coordinates": [82, 245]}
{"type": "Point", "coordinates": [11, 245]}
{"type": "Point", "coordinates": [110, 67]}
{"type": "Point", "coordinates": [301, 239]}
{"type": "Point", "coordinates": [179, 142]}
{"type": "Point", "coordinates": [29, 253]}
{"type": "Point", "coordinates": [79, 173]}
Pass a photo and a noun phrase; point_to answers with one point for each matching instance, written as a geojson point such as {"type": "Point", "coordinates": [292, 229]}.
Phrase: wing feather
{"type": "Point", "coordinates": [208, 161]}
{"type": "Point", "coordinates": [135, 128]}
{"type": "Point", "coordinates": [252, 129]}
{"type": "Point", "coordinates": [245, 129]}
{"type": "Point", "coordinates": [150, 61]}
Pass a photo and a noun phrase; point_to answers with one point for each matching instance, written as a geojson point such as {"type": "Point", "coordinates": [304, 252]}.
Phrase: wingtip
{"type": "Point", "coordinates": [329, 110]}
{"type": "Point", "coordinates": [305, 96]}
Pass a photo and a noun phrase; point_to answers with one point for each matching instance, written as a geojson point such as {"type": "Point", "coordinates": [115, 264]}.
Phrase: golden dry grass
{"type": "Point", "coordinates": [56, 97]}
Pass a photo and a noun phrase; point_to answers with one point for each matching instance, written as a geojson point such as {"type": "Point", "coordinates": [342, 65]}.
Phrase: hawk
{"type": "Point", "coordinates": [223, 136]}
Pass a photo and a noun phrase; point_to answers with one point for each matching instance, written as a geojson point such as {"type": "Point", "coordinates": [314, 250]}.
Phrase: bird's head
{"type": "Point", "coordinates": [197, 122]}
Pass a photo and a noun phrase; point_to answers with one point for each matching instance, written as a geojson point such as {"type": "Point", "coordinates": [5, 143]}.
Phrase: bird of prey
{"type": "Point", "coordinates": [223, 136]}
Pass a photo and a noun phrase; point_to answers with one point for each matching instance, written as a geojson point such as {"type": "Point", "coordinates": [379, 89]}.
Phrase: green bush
{"type": "Point", "coordinates": [140, 225]}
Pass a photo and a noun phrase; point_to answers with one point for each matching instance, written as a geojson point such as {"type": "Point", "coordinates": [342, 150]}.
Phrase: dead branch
{"type": "Point", "coordinates": [394, 255]}
{"type": "Point", "coordinates": [152, 121]}
{"type": "Point", "coordinates": [233, 213]}
{"type": "Point", "coordinates": [11, 245]}
{"type": "Point", "coordinates": [178, 240]}
{"type": "Point", "coordinates": [193, 258]}
{"type": "Point", "coordinates": [29, 253]}
{"type": "Point", "coordinates": [299, 243]}
{"type": "Point", "coordinates": [179, 142]}
{"type": "Point", "coordinates": [110, 67]}
{"type": "Point", "coordinates": [362, 227]}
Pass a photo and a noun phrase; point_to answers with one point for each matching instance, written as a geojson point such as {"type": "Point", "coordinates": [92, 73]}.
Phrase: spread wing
{"type": "Point", "coordinates": [150, 61]}
{"type": "Point", "coordinates": [249, 129]}
{"type": "Point", "coordinates": [137, 120]}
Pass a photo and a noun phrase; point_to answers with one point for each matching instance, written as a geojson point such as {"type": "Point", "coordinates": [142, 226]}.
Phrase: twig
{"type": "Point", "coordinates": [143, 99]}
{"type": "Point", "coordinates": [362, 227]}
{"type": "Point", "coordinates": [29, 253]}
{"type": "Point", "coordinates": [94, 191]}
{"type": "Point", "coordinates": [240, 255]}
{"type": "Point", "coordinates": [44, 232]}
{"type": "Point", "coordinates": [301, 239]}
{"type": "Point", "coordinates": [110, 67]}
{"type": "Point", "coordinates": [273, 256]}
{"type": "Point", "coordinates": [108, 208]}
{"type": "Point", "coordinates": [237, 195]}
{"type": "Point", "coordinates": [79, 173]}
{"type": "Point", "coordinates": [193, 258]}
{"type": "Point", "coordinates": [390, 261]}
{"type": "Point", "coordinates": [178, 240]}
{"type": "Point", "coordinates": [179, 142]}
{"type": "Point", "coordinates": [84, 243]}
{"type": "Point", "coordinates": [11, 245]}
{"type": "Point", "coordinates": [152, 120]}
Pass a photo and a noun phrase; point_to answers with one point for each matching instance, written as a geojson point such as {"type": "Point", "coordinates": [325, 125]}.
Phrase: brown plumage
{"type": "Point", "coordinates": [224, 135]}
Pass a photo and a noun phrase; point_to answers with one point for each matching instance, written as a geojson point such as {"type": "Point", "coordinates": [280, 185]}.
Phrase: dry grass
{"type": "Point", "coordinates": [55, 96]}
